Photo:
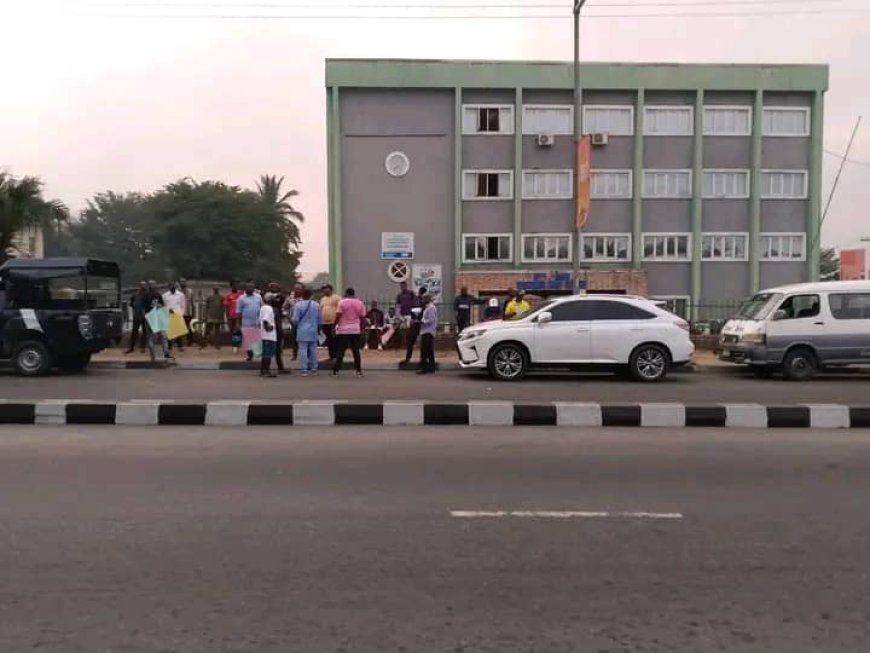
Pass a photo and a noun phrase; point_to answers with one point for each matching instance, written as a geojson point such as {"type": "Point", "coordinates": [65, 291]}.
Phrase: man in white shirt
{"type": "Point", "coordinates": [268, 335]}
{"type": "Point", "coordinates": [175, 302]}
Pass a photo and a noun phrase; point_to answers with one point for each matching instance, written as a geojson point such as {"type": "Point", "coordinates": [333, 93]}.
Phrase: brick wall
{"type": "Point", "coordinates": [633, 282]}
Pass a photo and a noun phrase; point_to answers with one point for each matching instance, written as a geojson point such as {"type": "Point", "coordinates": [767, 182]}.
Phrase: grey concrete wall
{"type": "Point", "coordinates": [723, 281]}
{"type": "Point", "coordinates": [786, 153]}
{"type": "Point", "coordinates": [669, 152]}
{"type": "Point", "coordinates": [548, 216]}
{"type": "Point", "coordinates": [543, 96]}
{"type": "Point", "coordinates": [609, 216]}
{"type": "Point", "coordinates": [495, 216]}
{"type": "Point", "coordinates": [559, 156]}
{"type": "Point", "coordinates": [787, 99]}
{"type": "Point", "coordinates": [609, 97]}
{"type": "Point", "coordinates": [782, 273]}
{"type": "Point", "coordinates": [672, 98]}
{"type": "Point", "coordinates": [667, 215]}
{"type": "Point", "coordinates": [491, 151]}
{"type": "Point", "coordinates": [729, 97]}
{"type": "Point", "coordinates": [669, 278]}
{"type": "Point", "coordinates": [488, 96]}
{"type": "Point", "coordinates": [728, 152]}
{"type": "Point", "coordinates": [783, 215]}
{"type": "Point", "coordinates": [618, 153]}
{"type": "Point", "coordinates": [382, 112]}
{"type": "Point", "coordinates": [725, 215]}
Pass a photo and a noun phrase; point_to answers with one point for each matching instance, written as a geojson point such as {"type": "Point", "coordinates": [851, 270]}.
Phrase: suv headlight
{"type": "Point", "coordinates": [754, 338]}
{"type": "Point", "coordinates": [470, 335]}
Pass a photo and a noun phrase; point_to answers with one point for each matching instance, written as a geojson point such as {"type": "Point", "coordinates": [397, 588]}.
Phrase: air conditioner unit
{"type": "Point", "coordinates": [599, 139]}
{"type": "Point", "coordinates": [546, 140]}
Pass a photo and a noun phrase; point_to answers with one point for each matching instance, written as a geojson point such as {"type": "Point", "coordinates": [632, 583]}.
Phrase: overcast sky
{"type": "Point", "coordinates": [91, 101]}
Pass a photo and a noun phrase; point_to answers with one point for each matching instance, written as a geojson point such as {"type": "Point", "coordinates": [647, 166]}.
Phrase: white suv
{"type": "Point", "coordinates": [613, 331]}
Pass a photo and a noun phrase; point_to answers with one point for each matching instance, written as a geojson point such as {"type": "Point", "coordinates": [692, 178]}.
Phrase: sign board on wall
{"type": "Point", "coordinates": [853, 264]}
{"type": "Point", "coordinates": [428, 275]}
{"type": "Point", "coordinates": [397, 244]}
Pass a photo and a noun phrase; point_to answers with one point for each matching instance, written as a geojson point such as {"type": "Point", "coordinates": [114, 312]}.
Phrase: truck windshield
{"type": "Point", "coordinates": [757, 307]}
{"type": "Point", "coordinates": [103, 292]}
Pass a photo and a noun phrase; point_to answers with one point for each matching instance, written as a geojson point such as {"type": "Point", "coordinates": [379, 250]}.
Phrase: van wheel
{"type": "Point", "coordinates": [649, 363]}
{"type": "Point", "coordinates": [75, 363]}
{"type": "Point", "coordinates": [508, 362]}
{"type": "Point", "coordinates": [31, 358]}
{"type": "Point", "coordinates": [800, 364]}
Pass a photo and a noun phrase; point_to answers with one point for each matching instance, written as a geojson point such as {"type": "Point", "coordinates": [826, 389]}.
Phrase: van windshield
{"type": "Point", "coordinates": [758, 306]}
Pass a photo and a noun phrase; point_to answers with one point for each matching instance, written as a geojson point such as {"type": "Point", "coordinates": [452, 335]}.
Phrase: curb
{"type": "Point", "coordinates": [419, 413]}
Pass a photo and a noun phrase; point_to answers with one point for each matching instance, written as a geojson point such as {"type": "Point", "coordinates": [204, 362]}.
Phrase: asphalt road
{"type": "Point", "coordinates": [181, 385]}
{"type": "Point", "coordinates": [123, 539]}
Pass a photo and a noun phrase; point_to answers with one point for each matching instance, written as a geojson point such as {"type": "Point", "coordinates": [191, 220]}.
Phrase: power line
{"type": "Point", "coordinates": [841, 157]}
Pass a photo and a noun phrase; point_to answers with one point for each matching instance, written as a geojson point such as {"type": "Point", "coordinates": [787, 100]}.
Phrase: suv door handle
{"type": "Point", "coordinates": [819, 323]}
{"type": "Point", "coordinates": [582, 330]}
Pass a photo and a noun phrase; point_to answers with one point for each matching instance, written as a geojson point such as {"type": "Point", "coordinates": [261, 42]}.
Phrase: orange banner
{"type": "Point", "coordinates": [853, 264]}
{"type": "Point", "coordinates": [584, 180]}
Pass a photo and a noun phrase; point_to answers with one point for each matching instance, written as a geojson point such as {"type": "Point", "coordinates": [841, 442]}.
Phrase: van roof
{"type": "Point", "coordinates": [822, 286]}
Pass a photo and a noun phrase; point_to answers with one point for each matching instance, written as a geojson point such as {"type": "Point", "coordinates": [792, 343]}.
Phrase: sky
{"type": "Point", "coordinates": [126, 96]}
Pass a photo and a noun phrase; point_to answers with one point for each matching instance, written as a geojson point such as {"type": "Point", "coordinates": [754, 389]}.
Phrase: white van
{"type": "Point", "coordinates": [800, 329]}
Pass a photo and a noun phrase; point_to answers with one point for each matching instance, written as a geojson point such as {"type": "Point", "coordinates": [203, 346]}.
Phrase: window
{"type": "Point", "coordinates": [613, 120]}
{"type": "Point", "coordinates": [783, 247]}
{"type": "Point", "coordinates": [727, 121]}
{"type": "Point", "coordinates": [668, 121]}
{"type": "Point", "coordinates": [611, 184]}
{"type": "Point", "coordinates": [616, 310]}
{"type": "Point", "coordinates": [667, 247]}
{"type": "Point", "coordinates": [785, 121]}
{"type": "Point", "coordinates": [487, 119]}
{"type": "Point", "coordinates": [798, 307]}
{"type": "Point", "coordinates": [546, 247]}
{"type": "Point", "coordinates": [548, 119]}
{"type": "Point", "coordinates": [724, 246]}
{"type": "Point", "coordinates": [850, 307]}
{"type": "Point", "coordinates": [483, 248]}
{"type": "Point", "coordinates": [571, 311]}
{"type": "Point", "coordinates": [487, 184]}
{"type": "Point", "coordinates": [726, 184]}
{"type": "Point", "coordinates": [658, 184]}
{"type": "Point", "coordinates": [783, 184]}
{"type": "Point", "coordinates": [606, 247]}
{"type": "Point", "coordinates": [676, 304]}
{"type": "Point", "coordinates": [548, 184]}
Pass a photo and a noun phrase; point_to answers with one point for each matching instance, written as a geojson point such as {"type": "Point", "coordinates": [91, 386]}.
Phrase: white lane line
{"type": "Point", "coordinates": [563, 514]}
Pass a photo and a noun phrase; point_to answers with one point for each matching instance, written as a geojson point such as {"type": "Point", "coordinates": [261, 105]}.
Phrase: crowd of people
{"type": "Point", "coordinates": [265, 322]}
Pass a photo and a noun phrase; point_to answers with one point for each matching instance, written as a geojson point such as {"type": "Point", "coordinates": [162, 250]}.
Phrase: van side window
{"type": "Point", "coordinates": [798, 307]}
{"type": "Point", "coordinates": [850, 306]}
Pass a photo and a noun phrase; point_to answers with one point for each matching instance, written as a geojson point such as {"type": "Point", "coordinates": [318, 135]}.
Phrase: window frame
{"type": "Point", "coordinates": [562, 107]}
{"type": "Point", "coordinates": [624, 234]}
{"type": "Point", "coordinates": [720, 259]}
{"type": "Point", "coordinates": [666, 234]}
{"type": "Point", "coordinates": [509, 259]}
{"type": "Point", "coordinates": [746, 173]}
{"type": "Point", "coordinates": [526, 259]}
{"type": "Point", "coordinates": [782, 234]}
{"type": "Point", "coordinates": [728, 107]}
{"type": "Point", "coordinates": [630, 173]}
{"type": "Point", "coordinates": [474, 106]}
{"type": "Point", "coordinates": [806, 186]}
{"type": "Point", "coordinates": [807, 111]}
{"type": "Point", "coordinates": [790, 298]}
{"type": "Point", "coordinates": [567, 171]}
{"type": "Point", "coordinates": [831, 295]}
{"type": "Point", "coordinates": [476, 171]}
{"type": "Point", "coordinates": [669, 107]}
{"type": "Point", "coordinates": [617, 107]}
{"type": "Point", "coordinates": [666, 170]}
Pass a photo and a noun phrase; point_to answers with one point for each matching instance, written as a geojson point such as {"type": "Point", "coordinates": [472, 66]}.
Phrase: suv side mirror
{"type": "Point", "coordinates": [780, 315]}
{"type": "Point", "coordinates": [545, 317]}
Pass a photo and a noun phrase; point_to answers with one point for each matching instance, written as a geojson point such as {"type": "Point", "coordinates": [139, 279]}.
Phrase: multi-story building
{"type": "Point", "coordinates": [705, 182]}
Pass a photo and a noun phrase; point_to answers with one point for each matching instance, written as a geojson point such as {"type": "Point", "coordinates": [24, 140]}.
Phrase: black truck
{"type": "Point", "coordinates": [57, 312]}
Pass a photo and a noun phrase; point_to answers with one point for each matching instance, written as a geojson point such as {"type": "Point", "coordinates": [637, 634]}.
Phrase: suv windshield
{"type": "Point", "coordinates": [758, 306]}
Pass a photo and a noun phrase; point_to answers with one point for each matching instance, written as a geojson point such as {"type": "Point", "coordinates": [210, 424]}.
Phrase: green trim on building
{"type": "Point", "coordinates": [755, 193]}
{"type": "Point", "coordinates": [518, 178]}
{"type": "Point", "coordinates": [335, 222]}
{"type": "Point", "coordinates": [637, 181]}
{"type": "Point", "coordinates": [330, 194]}
{"type": "Point", "coordinates": [814, 203]}
{"type": "Point", "coordinates": [399, 73]}
{"type": "Point", "coordinates": [697, 202]}
{"type": "Point", "coordinates": [457, 177]}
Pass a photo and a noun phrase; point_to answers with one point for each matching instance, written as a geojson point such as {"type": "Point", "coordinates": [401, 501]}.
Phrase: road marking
{"type": "Point", "coordinates": [563, 514]}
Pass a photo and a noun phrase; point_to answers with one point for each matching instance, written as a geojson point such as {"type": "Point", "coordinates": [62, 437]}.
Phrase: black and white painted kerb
{"type": "Point", "coordinates": [418, 413]}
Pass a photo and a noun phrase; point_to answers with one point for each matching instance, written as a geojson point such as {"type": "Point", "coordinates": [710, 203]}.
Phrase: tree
{"type": "Point", "coordinates": [22, 206]}
{"type": "Point", "coordinates": [210, 230]}
{"type": "Point", "coordinates": [269, 188]}
{"type": "Point", "coordinates": [829, 264]}
{"type": "Point", "coordinates": [320, 279]}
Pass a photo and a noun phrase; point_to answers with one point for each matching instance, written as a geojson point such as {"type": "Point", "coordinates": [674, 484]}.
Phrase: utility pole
{"type": "Point", "coordinates": [578, 5]}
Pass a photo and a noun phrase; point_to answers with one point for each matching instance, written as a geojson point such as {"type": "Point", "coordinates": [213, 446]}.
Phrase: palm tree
{"type": "Point", "coordinates": [22, 206]}
{"type": "Point", "coordinates": [269, 189]}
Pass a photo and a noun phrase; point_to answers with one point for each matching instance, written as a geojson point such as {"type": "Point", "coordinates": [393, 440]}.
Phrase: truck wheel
{"type": "Point", "coordinates": [74, 363]}
{"type": "Point", "coordinates": [800, 364]}
{"type": "Point", "coordinates": [649, 363]}
{"type": "Point", "coordinates": [508, 362]}
{"type": "Point", "coordinates": [31, 358]}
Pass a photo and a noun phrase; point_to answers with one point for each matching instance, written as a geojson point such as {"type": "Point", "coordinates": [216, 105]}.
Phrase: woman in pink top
{"type": "Point", "coordinates": [348, 330]}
